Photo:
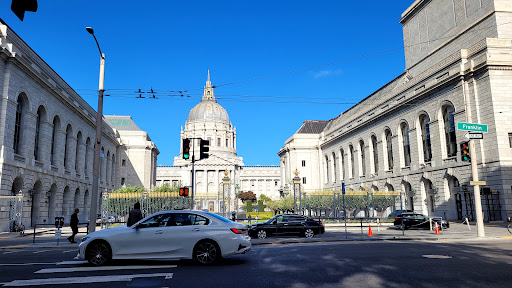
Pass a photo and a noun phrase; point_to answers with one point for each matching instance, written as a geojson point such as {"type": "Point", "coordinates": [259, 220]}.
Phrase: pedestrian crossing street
{"type": "Point", "coordinates": [79, 273]}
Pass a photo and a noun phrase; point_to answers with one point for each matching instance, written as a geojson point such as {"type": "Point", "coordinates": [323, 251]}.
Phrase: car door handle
{"type": "Point", "coordinates": [159, 232]}
{"type": "Point", "coordinates": [196, 230]}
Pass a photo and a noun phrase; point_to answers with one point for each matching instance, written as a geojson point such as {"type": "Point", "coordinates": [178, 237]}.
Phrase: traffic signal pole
{"type": "Point", "coordinates": [474, 168]}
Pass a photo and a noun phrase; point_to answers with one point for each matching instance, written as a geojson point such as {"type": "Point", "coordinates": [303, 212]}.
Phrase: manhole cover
{"type": "Point", "coordinates": [146, 282]}
{"type": "Point", "coordinates": [436, 256]}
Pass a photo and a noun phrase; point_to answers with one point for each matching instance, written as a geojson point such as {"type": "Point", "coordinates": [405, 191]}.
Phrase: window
{"type": "Point", "coordinates": [510, 140]}
{"type": "Point", "coordinates": [375, 154]}
{"type": "Point", "coordinates": [218, 142]}
{"type": "Point", "coordinates": [363, 160]}
{"type": "Point", "coordinates": [352, 168]}
{"type": "Point", "coordinates": [185, 219]}
{"type": "Point", "coordinates": [327, 169]}
{"type": "Point", "coordinates": [303, 180]}
{"type": "Point", "coordinates": [36, 140]}
{"type": "Point", "coordinates": [389, 149]}
{"type": "Point", "coordinates": [17, 126]}
{"type": "Point", "coordinates": [449, 131]}
{"type": "Point", "coordinates": [122, 181]}
{"type": "Point", "coordinates": [334, 170]}
{"type": "Point", "coordinates": [342, 164]}
{"type": "Point", "coordinates": [275, 183]}
{"type": "Point", "coordinates": [160, 220]}
{"type": "Point", "coordinates": [123, 163]}
{"type": "Point", "coordinates": [425, 137]}
{"type": "Point", "coordinates": [404, 128]}
{"type": "Point", "coordinates": [78, 142]}
{"type": "Point", "coordinates": [304, 161]}
{"type": "Point", "coordinates": [113, 168]}
{"type": "Point", "coordinates": [227, 142]}
{"type": "Point", "coordinates": [87, 145]}
{"type": "Point", "coordinates": [66, 146]}
{"type": "Point", "coordinates": [56, 124]}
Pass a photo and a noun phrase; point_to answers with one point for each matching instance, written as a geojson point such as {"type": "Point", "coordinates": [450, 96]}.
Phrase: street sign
{"type": "Point", "coordinates": [474, 183]}
{"type": "Point", "coordinates": [343, 188]}
{"type": "Point", "coordinates": [470, 136]}
{"type": "Point", "coordinates": [58, 234]}
{"type": "Point", "coordinates": [472, 127]}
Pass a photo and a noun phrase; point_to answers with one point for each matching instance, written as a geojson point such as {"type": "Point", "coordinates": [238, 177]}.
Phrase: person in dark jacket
{"type": "Point", "coordinates": [135, 215]}
{"type": "Point", "coordinates": [73, 223]}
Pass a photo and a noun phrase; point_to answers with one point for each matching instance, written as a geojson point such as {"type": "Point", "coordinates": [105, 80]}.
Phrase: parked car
{"type": "Point", "coordinates": [398, 212]}
{"type": "Point", "coordinates": [415, 220]}
{"type": "Point", "coordinates": [179, 234]}
{"type": "Point", "coordinates": [287, 224]}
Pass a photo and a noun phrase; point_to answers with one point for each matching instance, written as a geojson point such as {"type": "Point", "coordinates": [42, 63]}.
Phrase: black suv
{"type": "Point", "coordinates": [415, 220]}
{"type": "Point", "coordinates": [287, 224]}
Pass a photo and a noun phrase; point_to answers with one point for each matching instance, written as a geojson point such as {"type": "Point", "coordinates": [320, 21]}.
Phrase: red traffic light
{"type": "Point", "coordinates": [184, 191]}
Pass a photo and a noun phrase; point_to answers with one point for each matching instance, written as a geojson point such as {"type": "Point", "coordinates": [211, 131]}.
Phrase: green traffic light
{"type": "Point", "coordinates": [186, 156]}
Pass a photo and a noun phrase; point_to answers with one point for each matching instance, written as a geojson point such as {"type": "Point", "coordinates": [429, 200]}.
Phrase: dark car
{"type": "Point", "coordinates": [398, 212]}
{"type": "Point", "coordinates": [420, 221]}
{"type": "Point", "coordinates": [287, 224]}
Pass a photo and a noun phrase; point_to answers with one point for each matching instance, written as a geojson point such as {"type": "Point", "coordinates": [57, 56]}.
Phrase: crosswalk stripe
{"type": "Point", "coordinates": [42, 251]}
{"type": "Point", "coordinates": [105, 268]}
{"type": "Point", "coordinates": [83, 280]}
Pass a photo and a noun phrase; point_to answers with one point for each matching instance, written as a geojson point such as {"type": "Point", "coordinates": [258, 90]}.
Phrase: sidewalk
{"type": "Point", "coordinates": [45, 238]}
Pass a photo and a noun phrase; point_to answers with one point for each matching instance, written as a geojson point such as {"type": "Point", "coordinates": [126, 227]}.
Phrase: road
{"type": "Point", "coordinates": [336, 264]}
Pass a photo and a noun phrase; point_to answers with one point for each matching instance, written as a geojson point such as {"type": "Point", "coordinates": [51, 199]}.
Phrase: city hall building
{"type": "Point", "coordinates": [47, 136]}
{"type": "Point", "coordinates": [405, 137]}
{"type": "Point", "coordinates": [208, 120]}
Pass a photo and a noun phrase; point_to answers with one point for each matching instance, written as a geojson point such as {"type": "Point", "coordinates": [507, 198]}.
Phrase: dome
{"type": "Point", "coordinates": [208, 111]}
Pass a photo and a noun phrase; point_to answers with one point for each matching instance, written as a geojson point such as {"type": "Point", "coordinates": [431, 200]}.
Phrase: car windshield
{"type": "Point", "coordinates": [218, 217]}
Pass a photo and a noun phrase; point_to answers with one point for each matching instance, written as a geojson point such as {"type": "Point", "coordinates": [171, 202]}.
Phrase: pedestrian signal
{"type": "Point", "coordinates": [184, 191]}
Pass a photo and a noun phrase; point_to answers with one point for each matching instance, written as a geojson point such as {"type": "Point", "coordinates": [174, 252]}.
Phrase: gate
{"type": "Point", "coordinates": [116, 206]}
{"type": "Point", "coordinates": [491, 204]}
{"type": "Point", "coordinates": [15, 209]}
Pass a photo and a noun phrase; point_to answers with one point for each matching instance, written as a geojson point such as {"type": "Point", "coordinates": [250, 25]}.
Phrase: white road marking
{"type": "Point", "coordinates": [71, 262]}
{"type": "Point", "coordinates": [67, 251]}
{"type": "Point", "coordinates": [9, 252]}
{"type": "Point", "coordinates": [104, 268]}
{"type": "Point", "coordinates": [25, 264]}
{"type": "Point", "coordinates": [83, 280]}
{"type": "Point", "coordinates": [436, 256]}
{"type": "Point", "coordinates": [42, 251]}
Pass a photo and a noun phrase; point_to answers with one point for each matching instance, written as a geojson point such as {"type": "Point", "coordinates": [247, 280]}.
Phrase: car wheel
{"type": "Point", "coordinates": [98, 253]}
{"type": "Point", "coordinates": [207, 252]}
{"type": "Point", "coordinates": [262, 234]}
{"type": "Point", "coordinates": [309, 233]}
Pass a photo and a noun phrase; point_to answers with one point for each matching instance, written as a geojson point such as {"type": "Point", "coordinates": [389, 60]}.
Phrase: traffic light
{"type": "Point", "coordinates": [464, 151]}
{"type": "Point", "coordinates": [186, 149]}
{"type": "Point", "coordinates": [184, 191]}
{"type": "Point", "coordinates": [20, 6]}
{"type": "Point", "coordinates": [203, 149]}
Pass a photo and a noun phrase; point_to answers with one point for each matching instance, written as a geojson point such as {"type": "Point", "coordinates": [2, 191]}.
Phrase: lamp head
{"type": "Point", "coordinates": [89, 29]}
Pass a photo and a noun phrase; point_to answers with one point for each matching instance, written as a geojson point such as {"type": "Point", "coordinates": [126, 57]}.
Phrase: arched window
{"type": "Point", "coordinates": [327, 169]}
{"type": "Point", "coordinates": [375, 154]}
{"type": "Point", "coordinates": [389, 148]}
{"type": "Point", "coordinates": [404, 128]}
{"type": "Point", "coordinates": [334, 170]}
{"type": "Point", "coordinates": [86, 159]}
{"type": "Point", "coordinates": [66, 147]}
{"type": "Point", "coordinates": [342, 164]}
{"type": "Point", "coordinates": [56, 126]}
{"type": "Point", "coordinates": [363, 160]}
{"type": "Point", "coordinates": [17, 126]}
{"type": "Point", "coordinates": [449, 130]}
{"type": "Point", "coordinates": [425, 137]}
{"type": "Point", "coordinates": [352, 166]}
{"type": "Point", "coordinates": [113, 168]}
{"type": "Point", "coordinates": [38, 134]}
{"type": "Point", "coordinates": [77, 154]}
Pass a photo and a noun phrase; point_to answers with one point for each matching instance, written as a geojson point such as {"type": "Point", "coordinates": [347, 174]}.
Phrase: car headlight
{"type": "Point", "coordinates": [85, 238]}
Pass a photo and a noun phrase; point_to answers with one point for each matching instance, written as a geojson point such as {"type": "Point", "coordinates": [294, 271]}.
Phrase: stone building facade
{"type": "Point", "coordinates": [404, 136]}
{"type": "Point", "coordinates": [47, 135]}
{"type": "Point", "coordinates": [208, 120]}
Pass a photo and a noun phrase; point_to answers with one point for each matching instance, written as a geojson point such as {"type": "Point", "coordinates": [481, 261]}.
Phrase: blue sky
{"type": "Point", "coordinates": [170, 45]}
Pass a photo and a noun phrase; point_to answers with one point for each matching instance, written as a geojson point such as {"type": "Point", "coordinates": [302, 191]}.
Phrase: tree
{"type": "Point", "coordinates": [130, 189]}
{"type": "Point", "coordinates": [245, 196]}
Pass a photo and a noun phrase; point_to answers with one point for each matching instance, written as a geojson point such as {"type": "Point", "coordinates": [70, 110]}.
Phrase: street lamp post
{"type": "Point", "coordinates": [97, 144]}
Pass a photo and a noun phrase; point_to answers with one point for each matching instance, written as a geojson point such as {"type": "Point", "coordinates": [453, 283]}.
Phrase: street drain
{"type": "Point", "coordinates": [436, 256]}
{"type": "Point", "coordinates": [146, 282]}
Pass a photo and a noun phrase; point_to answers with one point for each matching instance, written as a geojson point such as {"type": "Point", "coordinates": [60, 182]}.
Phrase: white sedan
{"type": "Point", "coordinates": [177, 234]}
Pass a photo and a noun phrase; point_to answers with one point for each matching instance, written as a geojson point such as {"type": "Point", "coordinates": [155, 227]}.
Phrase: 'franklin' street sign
{"type": "Point", "coordinates": [472, 127]}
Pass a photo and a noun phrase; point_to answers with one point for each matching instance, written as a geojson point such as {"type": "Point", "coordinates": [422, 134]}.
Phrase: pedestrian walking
{"type": "Point", "coordinates": [135, 215]}
{"type": "Point", "coordinates": [73, 223]}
